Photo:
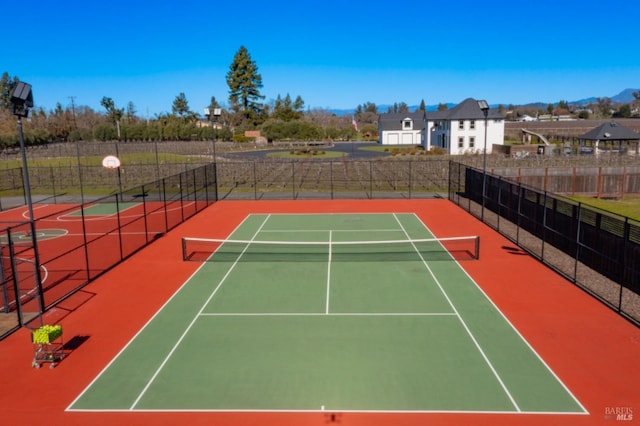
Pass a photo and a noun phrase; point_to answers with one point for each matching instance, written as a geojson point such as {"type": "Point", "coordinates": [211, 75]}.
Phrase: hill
{"type": "Point", "coordinates": [623, 97]}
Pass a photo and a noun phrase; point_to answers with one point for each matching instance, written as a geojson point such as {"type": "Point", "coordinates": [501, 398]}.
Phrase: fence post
{"type": "Point", "coordinates": [53, 184]}
{"type": "Point", "coordinates": [85, 246]}
{"type": "Point", "coordinates": [80, 173]}
{"type": "Point", "coordinates": [546, 179]}
{"type": "Point", "coordinates": [544, 225]}
{"type": "Point", "coordinates": [331, 178]}
{"type": "Point", "coordinates": [410, 178]}
{"type": "Point", "coordinates": [163, 191]}
{"type": "Point", "coordinates": [577, 256]}
{"type": "Point", "coordinates": [182, 175]}
{"type": "Point", "coordinates": [519, 213]}
{"type": "Point", "coordinates": [370, 179]}
{"type": "Point", "coordinates": [157, 161]}
{"type": "Point", "coordinates": [14, 274]}
{"type": "Point", "coordinates": [499, 202]}
{"type": "Point", "coordinates": [118, 198]}
{"type": "Point", "coordinates": [625, 238]}
{"type": "Point", "coordinates": [146, 215]}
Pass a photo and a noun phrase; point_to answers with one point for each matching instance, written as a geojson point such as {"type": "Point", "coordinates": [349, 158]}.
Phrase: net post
{"type": "Point", "coordinates": [477, 247]}
{"type": "Point", "coordinates": [184, 249]}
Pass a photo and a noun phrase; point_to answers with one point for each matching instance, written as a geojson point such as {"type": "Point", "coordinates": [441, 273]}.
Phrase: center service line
{"type": "Point", "coordinates": [326, 311]}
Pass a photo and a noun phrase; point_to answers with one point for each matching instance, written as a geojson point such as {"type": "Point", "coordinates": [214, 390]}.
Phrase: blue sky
{"type": "Point", "coordinates": [334, 54]}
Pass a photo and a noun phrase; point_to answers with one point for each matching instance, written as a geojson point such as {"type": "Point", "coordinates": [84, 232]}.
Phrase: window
{"type": "Point", "coordinates": [472, 124]}
{"type": "Point", "coordinates": [461, 125]}
{"type": "Point", "coordinates": [406, 124]}
{"type": "Point", "coordinates": [472, 142]}
{"type": "Point", "coordinates": [460, 142]}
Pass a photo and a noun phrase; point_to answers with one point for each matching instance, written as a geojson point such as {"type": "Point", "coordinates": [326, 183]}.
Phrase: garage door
{"type": "Point", "coordinates": [407, 138]}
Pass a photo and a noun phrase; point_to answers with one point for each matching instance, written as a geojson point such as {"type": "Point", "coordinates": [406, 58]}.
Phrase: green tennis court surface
{"type": "Point", "coordinates": [103, 209]}
{"type": "Point", "coordinates": [254, 332]}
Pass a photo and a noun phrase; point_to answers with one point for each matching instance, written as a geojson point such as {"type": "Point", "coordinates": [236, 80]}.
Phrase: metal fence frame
{"type": "Point", "coordinates": [257, 180]}
{"type": "Point", "coordinates": [165, 204]}
{"type": "Point", "coordinates": [595, 249]}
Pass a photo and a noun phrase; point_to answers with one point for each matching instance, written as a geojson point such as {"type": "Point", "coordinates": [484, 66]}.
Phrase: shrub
{"type": "Point", "coordinates": [242, 138]}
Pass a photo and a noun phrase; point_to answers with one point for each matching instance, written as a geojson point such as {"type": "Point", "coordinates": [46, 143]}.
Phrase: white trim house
{"type": "Point", "coordinates": [405, 128]}
{"type": "Point", "coordinates": [461, 129]}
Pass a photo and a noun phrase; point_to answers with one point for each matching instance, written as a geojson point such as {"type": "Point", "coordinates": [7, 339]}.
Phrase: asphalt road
{"type": "Point", "coordinates": [351, 149]}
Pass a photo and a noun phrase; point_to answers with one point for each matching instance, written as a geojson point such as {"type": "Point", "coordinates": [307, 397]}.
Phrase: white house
{"type": "Point", "coordinates": [461, 129]}
{"type": "Point", "coordinates": [458, 130]}
{"type": "Point", "coordinates": [402, 128]}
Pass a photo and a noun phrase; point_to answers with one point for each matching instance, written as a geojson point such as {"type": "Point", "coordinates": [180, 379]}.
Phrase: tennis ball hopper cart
{"type": "Point", "coordinates": [48, 345]}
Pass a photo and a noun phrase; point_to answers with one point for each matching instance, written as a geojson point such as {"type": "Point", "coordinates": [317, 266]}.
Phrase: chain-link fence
{"type": "Point", "coordinates": [40, 270]}
{"type": "Point", "coordinates": [597, 250]}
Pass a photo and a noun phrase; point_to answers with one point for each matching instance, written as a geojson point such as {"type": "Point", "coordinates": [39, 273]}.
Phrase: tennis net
{"type": "Point", "coordinates": [227, 250]}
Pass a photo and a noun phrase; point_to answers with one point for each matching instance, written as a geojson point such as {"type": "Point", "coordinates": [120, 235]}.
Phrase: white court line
{"type": "Point", "coordinates": [114, 234]}
{"type": "Point", "coordinates": [329, 410]}
{"type": "Point", "coordinates": [326, 310]}
{"type": "Point", "coordinates": [34, 291]}
{"type": "Point", "coordinates": [293, 231]}
{"type": "Point", "coordinates": [332, 314]}
{"type": "Point", "coordinates": [195, 318]}
{"type": "Point", "coordinates": [515, 330]}
{"type": "Point", "coordinates": [184, 284]}
{"type": "Point", "coordinates": [294, 410]}
{"type": "Point", "coordinates": [464, 324]}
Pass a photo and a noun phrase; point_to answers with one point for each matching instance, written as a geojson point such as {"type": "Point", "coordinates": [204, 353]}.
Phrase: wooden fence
{"type": "Point", "coordinates": [594, 181]}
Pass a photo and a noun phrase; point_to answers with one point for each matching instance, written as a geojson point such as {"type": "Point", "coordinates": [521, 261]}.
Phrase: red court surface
{"type": "Point", "coordinates": [593, 350]}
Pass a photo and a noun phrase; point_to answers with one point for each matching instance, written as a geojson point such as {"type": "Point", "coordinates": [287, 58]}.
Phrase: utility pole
{"type": "Point", "coordinates": [73, 111]}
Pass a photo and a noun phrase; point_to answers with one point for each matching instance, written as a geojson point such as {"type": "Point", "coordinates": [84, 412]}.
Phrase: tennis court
{"type": "Point", "coordinates": [340, 312]}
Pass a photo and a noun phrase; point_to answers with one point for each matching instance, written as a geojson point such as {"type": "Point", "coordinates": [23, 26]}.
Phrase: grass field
{"type": "Point", "coordinates": [628, 206]}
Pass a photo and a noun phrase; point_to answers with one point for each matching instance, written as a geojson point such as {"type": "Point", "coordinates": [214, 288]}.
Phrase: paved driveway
{"type": "Point", "coordinates": [353, 150]}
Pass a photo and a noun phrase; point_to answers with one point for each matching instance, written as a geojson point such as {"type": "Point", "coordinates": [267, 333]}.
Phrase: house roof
{"type": "Point", "coordinates": [611, 131]}
{"type": "Point", "coordinates": [465, 110]}
{"type": "Point", "coordinates": [393, 121]}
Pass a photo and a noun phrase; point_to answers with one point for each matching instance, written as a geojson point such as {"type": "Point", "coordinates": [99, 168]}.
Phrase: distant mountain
{"type": "Point", "coordinates": [384, 108]}
{"type": "Point", "coordinates": [623, 97]}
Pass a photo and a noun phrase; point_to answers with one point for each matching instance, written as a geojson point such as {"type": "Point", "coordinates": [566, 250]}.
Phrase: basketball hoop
{"type": "Point", "coordinates": [111, 162]}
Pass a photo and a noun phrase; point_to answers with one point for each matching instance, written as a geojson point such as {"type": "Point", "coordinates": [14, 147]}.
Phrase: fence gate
{"type": "Point", "coordinates": [19, 291]}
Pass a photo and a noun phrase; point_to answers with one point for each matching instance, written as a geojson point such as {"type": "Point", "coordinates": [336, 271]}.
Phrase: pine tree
{"type": "Point", "coordinates": [180, 106]}
{"type": "Point", "coordinates": [114, 114]}
{"type": "Point", "coordinates": [6, 85]}
{"type": "Point", "coordinates": [245, 83]}
{"type": "Point", "coordinates": [213, 103]}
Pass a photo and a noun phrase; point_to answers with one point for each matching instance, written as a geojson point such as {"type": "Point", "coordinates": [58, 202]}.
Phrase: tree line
{"type": "Point", "coordinates": [284, 118]}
